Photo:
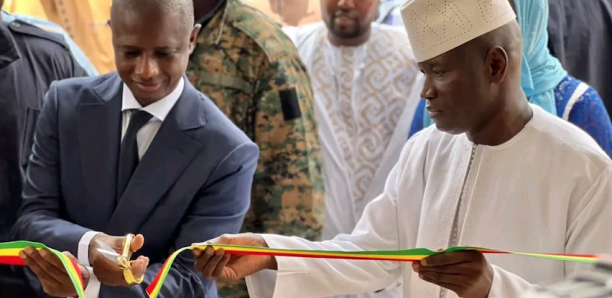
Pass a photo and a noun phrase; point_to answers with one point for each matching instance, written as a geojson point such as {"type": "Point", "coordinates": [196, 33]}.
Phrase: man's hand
{"type": "Point", "coordinates": [467, 273]}
{"type": "Point", "coordinates": [108, 272]}
{"type": "Point", "coordinates": [228, 268]}
{"type": "Point", "coordinates": [51, 273]}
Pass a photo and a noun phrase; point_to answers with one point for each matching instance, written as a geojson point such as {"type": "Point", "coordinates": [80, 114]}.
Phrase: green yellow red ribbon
{"type": "Point", "coordinates": [409, 255]}
{"type": "Point", "coordinates": [9, 255]}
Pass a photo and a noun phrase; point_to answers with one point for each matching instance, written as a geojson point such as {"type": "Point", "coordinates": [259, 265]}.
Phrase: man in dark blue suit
{"type": "Point", "coordinates": [136, 151]}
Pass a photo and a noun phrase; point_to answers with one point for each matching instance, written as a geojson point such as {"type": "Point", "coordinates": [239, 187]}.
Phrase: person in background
{"type": "Point", "coordinates": [581, 38]}
{"type": "Point", "coordinates": [86, 21]}
{"type": "Point", "coordinates": [137, 151]}
{"type": "Point", "coordinates": [363, 75]}
{"type": "Point", "coordinates": [30, 60]}
{"type": "Point", "coordinates": [546, 83]}
{"type": "Point", "coordinates": [246, 64]}
{"type": "Point", "coordinates": [78, 54]}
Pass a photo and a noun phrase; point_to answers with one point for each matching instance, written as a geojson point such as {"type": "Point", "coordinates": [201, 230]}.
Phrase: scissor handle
{"type": "Point", "coordinates": [126, 253]}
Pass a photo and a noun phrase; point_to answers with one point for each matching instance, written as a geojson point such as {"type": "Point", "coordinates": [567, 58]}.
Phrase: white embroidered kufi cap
{"type": "Point", "coordinates": [435, 27]}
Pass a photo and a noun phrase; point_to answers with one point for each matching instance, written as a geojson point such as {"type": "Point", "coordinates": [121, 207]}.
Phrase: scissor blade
{"type": "Point", "coordinates": [107, 251]}
{"type": "Point", "coordinates": [104, 246]}
{"type": "Point", "coordinates": [111, 255]}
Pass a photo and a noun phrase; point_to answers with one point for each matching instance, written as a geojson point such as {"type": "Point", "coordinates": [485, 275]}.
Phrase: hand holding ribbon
{"type": "Point", "coordinates": [231, 257]}
{"type": "Point", "coordinates": [11, 254]}
{"type": "Point", "coordinates": [467, 273]}
{"type": "Point", "coordinates": [51, 271]}
{"type": "Point", "coordinates": [220, 266]}
{"type": "Point", "coordinates": [249, 253]}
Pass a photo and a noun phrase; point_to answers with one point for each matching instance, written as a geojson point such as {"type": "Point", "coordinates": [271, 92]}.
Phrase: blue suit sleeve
{"type": "Point", "coordinates": [590, 114]}
{"type": "Point", "coordinates": [40, 213]}
{"type": "Point", "coordinates": [417, 120]}
{"type": "Point", "coordinates": [219, 209]}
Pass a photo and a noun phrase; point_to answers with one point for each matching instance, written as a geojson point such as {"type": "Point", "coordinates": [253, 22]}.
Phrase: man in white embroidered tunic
{"type": "Point", "coordinates": [494, 171]}
{"type": "Point", "coordinates": [363, 76]}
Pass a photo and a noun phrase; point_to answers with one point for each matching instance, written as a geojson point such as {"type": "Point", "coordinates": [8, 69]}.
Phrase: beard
{"type": "Point", "coordinates": [345, 30]}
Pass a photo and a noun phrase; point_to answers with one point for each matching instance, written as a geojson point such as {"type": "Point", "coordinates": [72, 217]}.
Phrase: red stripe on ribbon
{"type": "Point", "coordinates": [12, 260]}
{"type": "Point", "coordinates": [78, 269]}
{"type": "Point", "coordinates": [314, 256]}
{"type": "Point", "coordinates": [156, 279]}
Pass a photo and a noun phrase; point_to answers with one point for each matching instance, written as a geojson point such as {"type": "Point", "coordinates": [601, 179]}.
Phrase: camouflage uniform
{"type": "Point", "coordinates": [252, 71]}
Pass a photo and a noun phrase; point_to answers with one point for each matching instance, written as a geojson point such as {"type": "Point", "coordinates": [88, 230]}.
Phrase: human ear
{"type": "Point", "coordinates": [194, 37]}
{"type": "Point", "coordinates": [497, 64]}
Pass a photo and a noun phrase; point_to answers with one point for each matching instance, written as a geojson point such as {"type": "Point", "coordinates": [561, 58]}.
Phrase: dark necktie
{"type": "Point", "coordinates": [128, 156]}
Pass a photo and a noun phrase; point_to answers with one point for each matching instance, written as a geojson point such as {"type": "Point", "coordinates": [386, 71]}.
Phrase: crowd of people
{"type": "Point", "coordinates": [388, 125]}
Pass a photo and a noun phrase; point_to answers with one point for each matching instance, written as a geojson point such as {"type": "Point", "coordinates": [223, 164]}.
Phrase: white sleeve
{"type": "Point", "coordinates": [83, 249]}
{"type": "Point", "coordinates": [588, 232]}
{"type": "Point", "coordinates": [589, 222]}
{"type": "Point", "coordinates": [312, 278]}
{"type": "Point", "coordinates": [291, 32]}
{"type": "Point", "coordinates": [507, 284]}
{"type": "Point", "coordinates": [93, 287]}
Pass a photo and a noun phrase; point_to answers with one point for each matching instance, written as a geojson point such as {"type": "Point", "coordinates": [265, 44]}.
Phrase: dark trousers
{"type": "Point", "coordinates": [13, 283]}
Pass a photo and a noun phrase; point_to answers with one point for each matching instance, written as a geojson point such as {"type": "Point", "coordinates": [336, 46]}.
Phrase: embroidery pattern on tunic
{"type": "Point", "coordinates": [364, 95]}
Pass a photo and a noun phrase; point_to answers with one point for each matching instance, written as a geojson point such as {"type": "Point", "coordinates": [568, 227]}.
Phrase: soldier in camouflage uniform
{"type": "Point", "coordinates": [252, 71]}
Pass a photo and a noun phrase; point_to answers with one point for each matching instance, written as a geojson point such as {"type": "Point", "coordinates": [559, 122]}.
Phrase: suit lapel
{"type": "Point", "coordinates": [99, 136]}
{"type": "Point", "coordinates": [169, 154]}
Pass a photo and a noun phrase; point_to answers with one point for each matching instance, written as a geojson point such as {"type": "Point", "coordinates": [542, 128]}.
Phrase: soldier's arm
{"type": "Point", "coordinates": [288, 186]}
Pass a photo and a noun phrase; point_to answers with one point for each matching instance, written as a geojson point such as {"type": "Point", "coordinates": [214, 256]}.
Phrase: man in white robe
{"type": "Point", "coordinates": [362, 75]}
{"type": "Point", "coordinates": [493, 172]}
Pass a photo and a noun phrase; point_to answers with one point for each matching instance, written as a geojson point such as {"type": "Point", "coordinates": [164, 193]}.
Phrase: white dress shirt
{"type": "Point", "coordinates": [144, 137]}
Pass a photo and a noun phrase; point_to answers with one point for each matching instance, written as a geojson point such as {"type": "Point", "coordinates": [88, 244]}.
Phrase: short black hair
{"type": "Point", "coordinates": [182, 9]}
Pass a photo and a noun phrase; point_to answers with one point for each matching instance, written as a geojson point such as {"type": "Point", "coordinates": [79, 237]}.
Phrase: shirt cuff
{"type": "Point", "coordinates": [261, 284]}
{"type": "Point", "coordinates": [83, 250]}
{"type": "Point", "coordinates": [93, 287]}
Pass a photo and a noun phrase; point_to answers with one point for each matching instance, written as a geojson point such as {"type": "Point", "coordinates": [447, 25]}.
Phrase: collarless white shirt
{"type": "Point", "coordinates": [160, 110]}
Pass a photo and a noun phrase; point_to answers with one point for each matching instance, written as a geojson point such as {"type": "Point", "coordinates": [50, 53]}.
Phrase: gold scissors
{"type": "Point", "coordinates": [123, 260]}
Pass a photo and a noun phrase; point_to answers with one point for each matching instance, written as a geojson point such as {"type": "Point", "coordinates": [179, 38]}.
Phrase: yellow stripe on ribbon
{"type": "Point", "coordinates": [9, 255]}
{"type": "Point", "coordinates": [409, 255]}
